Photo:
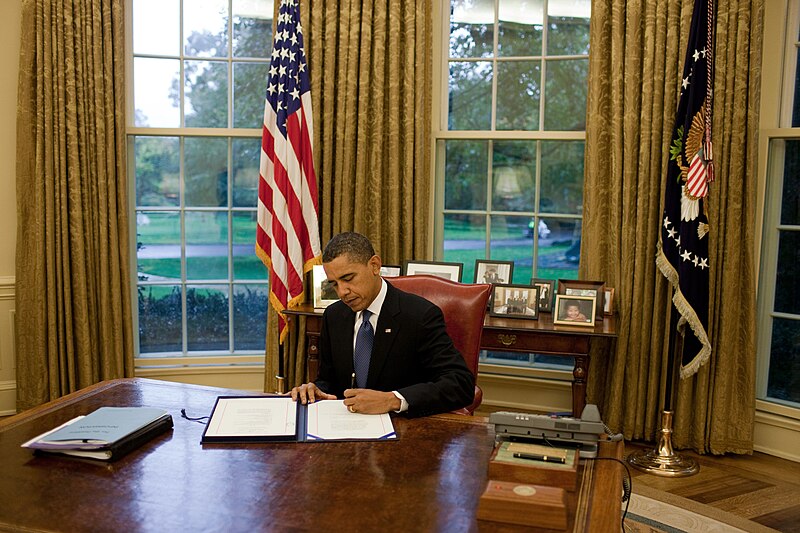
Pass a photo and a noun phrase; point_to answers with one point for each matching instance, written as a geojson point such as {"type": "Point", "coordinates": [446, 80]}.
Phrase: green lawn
{"type": "Point", "coordinates": [245, 268]}
{"type": "Point", "coordinates": [164, 228]}
{"type": "Point", "coordinates": [522, 255]}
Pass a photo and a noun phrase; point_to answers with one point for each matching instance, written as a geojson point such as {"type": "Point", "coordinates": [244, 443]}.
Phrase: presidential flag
{"type": "Point", "coordinates": [287, 237]}
{"type": "Point", "coordinates": [682, 254]}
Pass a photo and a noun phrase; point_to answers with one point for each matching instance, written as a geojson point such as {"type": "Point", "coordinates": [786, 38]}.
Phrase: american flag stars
{"type": "Point", "coordinates": [288, 78]}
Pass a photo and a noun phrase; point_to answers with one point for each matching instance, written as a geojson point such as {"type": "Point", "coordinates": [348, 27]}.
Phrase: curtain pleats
{"type": "Point", "coordinates": [637, 53]}
{"type": "Point", "coordinates": [73, 318]}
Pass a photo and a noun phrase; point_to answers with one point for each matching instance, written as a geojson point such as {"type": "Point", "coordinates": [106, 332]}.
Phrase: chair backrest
{"type": "Point", "coordinates": [463, 305]}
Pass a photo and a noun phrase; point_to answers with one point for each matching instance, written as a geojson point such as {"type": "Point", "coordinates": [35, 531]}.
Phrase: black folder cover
{"type": "Point", "coordinates": [298, 436]}
{"type": "Point", "coordinates": [123, 446]}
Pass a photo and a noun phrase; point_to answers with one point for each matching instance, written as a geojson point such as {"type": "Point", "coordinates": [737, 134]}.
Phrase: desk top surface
{"type": "Point", "coordinates": [429, 479]}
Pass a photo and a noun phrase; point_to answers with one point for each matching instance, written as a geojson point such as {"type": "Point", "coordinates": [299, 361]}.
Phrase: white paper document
{"type": "Point", "coordinates": [242, 417]}
{"type": "Point", "coordinates": [330, 420]}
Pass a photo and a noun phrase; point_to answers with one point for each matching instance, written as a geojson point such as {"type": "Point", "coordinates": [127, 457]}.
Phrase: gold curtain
{"type": "Point", "coordinates": [73, 318]}
{"type": "Point", "coordinates": [370, 65]}
{"type": "Point", "coordinates": [637, 53]}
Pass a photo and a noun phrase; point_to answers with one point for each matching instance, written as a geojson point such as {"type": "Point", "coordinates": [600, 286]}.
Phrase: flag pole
{"type": "Point", "coordinates": [682, 251]}
{"type": "Point", "coordinates": [280, 380]}
{"type": "Point", "coordinates": [663, 460]}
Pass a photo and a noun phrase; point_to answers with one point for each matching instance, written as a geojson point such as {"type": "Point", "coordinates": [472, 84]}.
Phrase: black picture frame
{"type": "Point", "coordinates": [582, 287]}
{"type": "Point", "coordinates": [515, 301]}
{"type": "Point", "coordinates": [546, 291]}
{"type": "Point", "coordinates": [494, 272]}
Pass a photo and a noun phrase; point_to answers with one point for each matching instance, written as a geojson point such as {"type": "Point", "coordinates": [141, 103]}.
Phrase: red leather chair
{"type": "Point", "coordinates": [464, 308]}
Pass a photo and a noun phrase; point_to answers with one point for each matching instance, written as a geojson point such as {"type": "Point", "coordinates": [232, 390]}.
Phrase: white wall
{"type": "Point", "coordinates": [10, 20]}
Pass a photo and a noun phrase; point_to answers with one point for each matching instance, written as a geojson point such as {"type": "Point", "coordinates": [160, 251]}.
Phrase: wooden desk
{"type": "Point", "coordinates": [507, 335]}
{"type": "Point", "coordinates": [173, 483]}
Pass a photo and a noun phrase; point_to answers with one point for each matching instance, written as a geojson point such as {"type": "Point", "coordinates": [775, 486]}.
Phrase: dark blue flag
{"type": "Point", "coordinates": [683, 242]}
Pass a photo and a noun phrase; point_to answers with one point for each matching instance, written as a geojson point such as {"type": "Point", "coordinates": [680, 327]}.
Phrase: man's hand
{"type": "Point", "coordinates": [370, 402]}
{"type": "Point", "coordinates": [309, 393]}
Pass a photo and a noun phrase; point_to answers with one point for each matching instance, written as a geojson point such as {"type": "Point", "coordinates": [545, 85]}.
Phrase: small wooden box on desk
{"type": "Point", "coordinates": [594, 505]}
{"type": "Point", "coordinates": [526, 505]}
{"type": "Point", "coordinates": [503, 465]}
{"type": "Point", "coordinates": [527, 484]}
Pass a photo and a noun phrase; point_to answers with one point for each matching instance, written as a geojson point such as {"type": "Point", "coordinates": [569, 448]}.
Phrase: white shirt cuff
{"type": "Point", "coordinates": [403, 402]}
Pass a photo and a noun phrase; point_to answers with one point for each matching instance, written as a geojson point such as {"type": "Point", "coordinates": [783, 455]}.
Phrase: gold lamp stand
{"type": "Point", "coordinates": [663, 461]}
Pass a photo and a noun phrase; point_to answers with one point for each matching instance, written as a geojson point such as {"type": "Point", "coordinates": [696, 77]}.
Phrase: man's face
{"type": "Point", "coordinates": [356, 284]}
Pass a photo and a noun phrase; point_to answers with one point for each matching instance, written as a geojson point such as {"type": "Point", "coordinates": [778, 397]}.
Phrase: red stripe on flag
{"type": "Point", "coordinates": [293, 216]}
{"type": "Point", "coordinates": [696, 179]}
{"type": "Point", "coordinates": [308, 161]}
{"type": "Point", "coordinates": [296, 210]}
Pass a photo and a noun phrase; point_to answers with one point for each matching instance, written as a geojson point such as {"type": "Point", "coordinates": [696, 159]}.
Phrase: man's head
{"type": "Point", "coordinates": [353, 269]}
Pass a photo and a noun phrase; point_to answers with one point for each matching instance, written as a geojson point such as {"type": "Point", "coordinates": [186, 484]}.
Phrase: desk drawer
{"type": "Point", "coordinates": [529, 341]}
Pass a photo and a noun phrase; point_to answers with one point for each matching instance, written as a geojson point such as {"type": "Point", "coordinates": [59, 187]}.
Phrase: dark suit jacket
{"type": "Point", "coordinates": [411, 354]}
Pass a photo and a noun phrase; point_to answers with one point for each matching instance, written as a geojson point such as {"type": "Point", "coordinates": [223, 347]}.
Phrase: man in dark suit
{"type": "Point", "coordinates": [413, 366]}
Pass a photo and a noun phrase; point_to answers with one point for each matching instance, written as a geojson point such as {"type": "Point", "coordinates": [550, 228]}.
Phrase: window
{"type": "Point", "coordinates": [198, 71]}
{"type": "Point", "coordinates": [779, 285]}
{"type": "Point", "coordinates": [510, 136]}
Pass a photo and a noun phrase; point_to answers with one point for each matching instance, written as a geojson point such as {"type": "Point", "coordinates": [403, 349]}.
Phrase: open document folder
{"type": "Point", "coordinates": [279, 418]}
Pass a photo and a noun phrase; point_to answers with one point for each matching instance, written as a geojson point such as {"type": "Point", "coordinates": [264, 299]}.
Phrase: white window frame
{"type": "Point", "coordinates": [777, 426]}
{"type": "Point", "coordinates": [175, 361]}
{"type": "Point", "coordinates": [441, 134]}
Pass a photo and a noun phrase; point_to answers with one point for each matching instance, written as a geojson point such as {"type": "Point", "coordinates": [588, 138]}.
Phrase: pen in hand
{"type": "Point", "coordinates": [353, 381]}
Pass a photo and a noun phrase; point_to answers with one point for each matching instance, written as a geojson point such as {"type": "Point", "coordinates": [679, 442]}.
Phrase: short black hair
{"type": "Point", "coordinates": [356, 246]}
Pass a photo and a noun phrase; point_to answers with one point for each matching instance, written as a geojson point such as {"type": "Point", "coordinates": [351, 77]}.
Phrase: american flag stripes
{"type": "Point", "coordinates": [682, 252]}
{"type": "Point", "coordinates": [287, 237]}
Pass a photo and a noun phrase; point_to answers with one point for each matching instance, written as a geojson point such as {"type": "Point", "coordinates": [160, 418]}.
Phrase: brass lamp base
{"type": "Point", "coordinates": [663, 461]}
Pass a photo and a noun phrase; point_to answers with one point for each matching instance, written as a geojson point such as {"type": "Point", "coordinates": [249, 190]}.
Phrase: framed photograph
{"type": "Point", "coordinates": [546, 290]}
{"type": "Point", "coordinates": [575, 310]}
{"type": "Point", "coordinates": [515, 301]}
{"type": "Point", "coordinates": [390, 271]}
{"type": "Point", "coordinates": [494, 272]}
{"type": "Point", "coordinates": [608, 303]}
{"type": "Point", "coordinates": [579, 287]}
{"type": "Point", "coordinates": [324, 293]}
{"type": "Point", "coordinates": [451, 271]}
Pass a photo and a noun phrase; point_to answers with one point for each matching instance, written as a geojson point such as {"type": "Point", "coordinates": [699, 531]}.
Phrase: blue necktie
{"type": "Point", "coordinates": [363, 350]}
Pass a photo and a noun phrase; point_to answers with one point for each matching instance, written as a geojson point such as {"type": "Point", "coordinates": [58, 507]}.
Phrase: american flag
{"type": "Point", "coordinates": [682, 252]}
{"type": "Point", "coordinates": [287, 237]}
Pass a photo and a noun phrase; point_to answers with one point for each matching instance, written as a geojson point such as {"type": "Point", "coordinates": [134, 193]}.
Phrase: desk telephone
{"type": "Point", "coordinates": [581, 433]}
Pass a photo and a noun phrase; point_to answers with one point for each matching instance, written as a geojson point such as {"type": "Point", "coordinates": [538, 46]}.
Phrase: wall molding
{"type": "Point", "coordinates": [8, 287]}
{"type": "Point", "coordinates": [8, 397]}
{"type": "Point", "coordinates": [777, 435]}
